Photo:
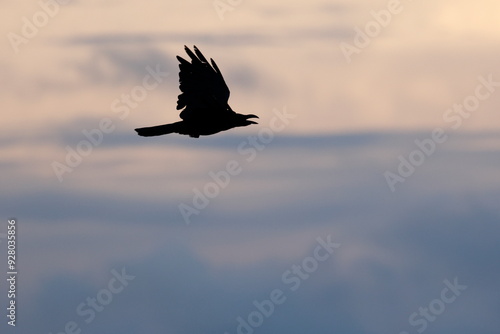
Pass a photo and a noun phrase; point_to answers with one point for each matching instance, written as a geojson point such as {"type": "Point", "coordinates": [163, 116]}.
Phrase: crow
{"type": "Point", "coordinates": [204, 98]}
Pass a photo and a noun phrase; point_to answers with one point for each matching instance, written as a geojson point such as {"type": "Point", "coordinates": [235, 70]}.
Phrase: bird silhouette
{"type": "Point", "coordinates": [204, 98]}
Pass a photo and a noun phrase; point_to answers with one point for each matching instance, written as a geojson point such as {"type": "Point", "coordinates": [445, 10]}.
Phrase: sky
{"type": "Point", "coordinates": [364, 201]}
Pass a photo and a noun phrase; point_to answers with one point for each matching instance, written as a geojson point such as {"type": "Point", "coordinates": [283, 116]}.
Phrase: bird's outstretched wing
{"type": "Point", "coordinates": [204, 91]}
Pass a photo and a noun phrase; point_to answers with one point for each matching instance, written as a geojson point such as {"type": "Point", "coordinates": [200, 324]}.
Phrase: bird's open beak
{"type": "Point", "coordinates": [252, 116]}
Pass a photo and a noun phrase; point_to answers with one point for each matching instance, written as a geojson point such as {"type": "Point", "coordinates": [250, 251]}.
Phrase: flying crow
{"type": "Point", "coordinates": [204, 99]}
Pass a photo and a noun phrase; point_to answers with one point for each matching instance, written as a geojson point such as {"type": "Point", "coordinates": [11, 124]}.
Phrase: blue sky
{"type": "Point", "coordinates": [103, 244]}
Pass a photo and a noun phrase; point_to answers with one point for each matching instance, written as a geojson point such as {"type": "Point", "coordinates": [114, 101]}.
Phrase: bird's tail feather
{"type": "Point", "coordinates": [158, 130]}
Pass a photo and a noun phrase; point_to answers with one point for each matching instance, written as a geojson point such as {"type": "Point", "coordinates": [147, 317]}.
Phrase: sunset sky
{"type": "Point", "coordinates": [378, 130]}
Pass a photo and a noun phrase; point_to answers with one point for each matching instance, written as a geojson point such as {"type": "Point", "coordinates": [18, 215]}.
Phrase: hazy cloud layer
{"type": "Point", "coordinates": [404, 236]}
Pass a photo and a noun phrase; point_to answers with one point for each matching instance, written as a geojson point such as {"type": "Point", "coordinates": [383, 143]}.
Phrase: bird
{"type": "Point", "coordinates": [204, 100]}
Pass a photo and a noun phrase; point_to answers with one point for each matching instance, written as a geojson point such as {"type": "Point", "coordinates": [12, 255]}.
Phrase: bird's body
{"type": "Point", "coordinates": [204, 98]}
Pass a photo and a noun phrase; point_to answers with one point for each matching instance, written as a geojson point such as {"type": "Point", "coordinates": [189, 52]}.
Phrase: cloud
{"type": "Point", "coordinates": [323, 175]}
{"type": "Point", "coordinates": [117, 65]}
{"type": "Point", "coordinates": [396, 249]}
